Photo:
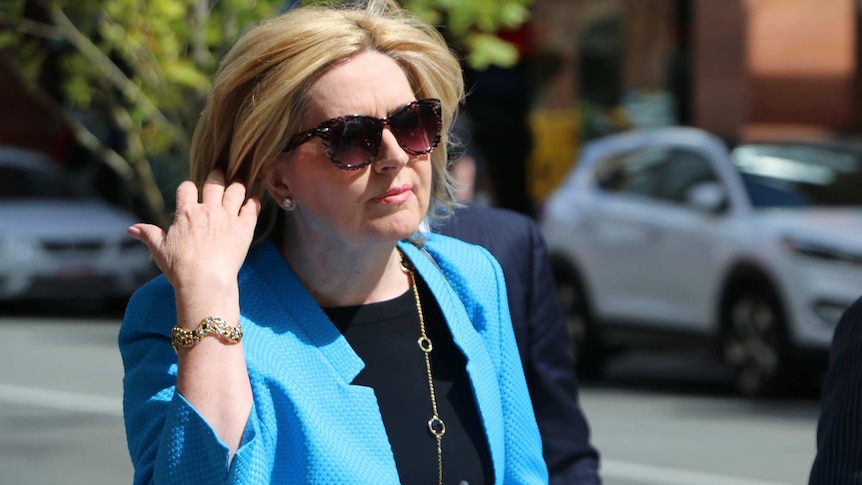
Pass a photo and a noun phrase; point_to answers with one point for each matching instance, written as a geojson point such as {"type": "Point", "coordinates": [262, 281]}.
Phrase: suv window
{"type": "Point", "coordinates": [665, 173]}
{"type": "Point", "coordinates": [788, 175]}
{"type": "Point", "coordinates": [683, 170]}
{"type": "Point", "coordinates": [638, 172]}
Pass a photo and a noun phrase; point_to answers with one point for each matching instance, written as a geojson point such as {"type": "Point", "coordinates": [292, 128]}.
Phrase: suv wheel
{"type": "Point", "coordinates": [584, 338]}
{"type": "Point", "coordinates": [754, 343]}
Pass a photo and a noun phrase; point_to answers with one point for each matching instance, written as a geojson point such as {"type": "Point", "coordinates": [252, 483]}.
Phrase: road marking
{"type": "Point", "coordinates": [62, 400]}
{"type": "Point", "coordinates": [669, 476]}
{"type": "Point", "coordinates": [112, 406]}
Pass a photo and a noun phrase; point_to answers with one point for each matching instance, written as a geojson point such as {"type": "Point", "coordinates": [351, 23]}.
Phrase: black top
{"type": "Point", "coordinates": [384, 335]}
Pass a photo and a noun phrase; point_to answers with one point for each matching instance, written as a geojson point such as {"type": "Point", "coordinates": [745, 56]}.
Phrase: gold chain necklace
{"type": "Point", "coordinates": [436, 426]}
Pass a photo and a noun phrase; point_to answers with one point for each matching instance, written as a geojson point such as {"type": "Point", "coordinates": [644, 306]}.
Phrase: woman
{"type": "Point", "coordinates": [343, 347]}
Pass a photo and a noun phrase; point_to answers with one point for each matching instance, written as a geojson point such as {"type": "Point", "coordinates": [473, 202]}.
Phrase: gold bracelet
{"type": "Point", "coordinates": [181, 337]}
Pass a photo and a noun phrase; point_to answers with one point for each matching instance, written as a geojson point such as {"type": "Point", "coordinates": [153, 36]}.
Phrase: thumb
{"type": "Point", "coordinates": [148, 234]}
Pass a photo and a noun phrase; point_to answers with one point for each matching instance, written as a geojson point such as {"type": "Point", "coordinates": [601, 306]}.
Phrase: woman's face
{"type": "Point", "coordinates": [384, 201]}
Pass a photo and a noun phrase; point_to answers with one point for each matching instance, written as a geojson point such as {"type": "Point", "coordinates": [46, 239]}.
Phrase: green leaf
{"type": "Point", "coordinates": [487, 49]}
{"type": "Point", "coordinates": [186, 74]}
{"type": "Point", "coordinates": [168, 9]}
{"type": "Point", "coordinates": [513, 14]}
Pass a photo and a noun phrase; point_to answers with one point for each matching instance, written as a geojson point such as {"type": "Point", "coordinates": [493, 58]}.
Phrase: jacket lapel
{"type": "Point", "coordinates": [303, 316]}
{"type": "Point", "coordinates": [480, 367]}
{"type": "Point", "coordinates": [305, 345]}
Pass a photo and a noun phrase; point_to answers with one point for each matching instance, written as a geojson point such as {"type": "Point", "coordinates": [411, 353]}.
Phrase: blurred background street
{"type": "Point", "coordinates": [695, 167]}
{"type": "Point", "coordinates": [670, 420]}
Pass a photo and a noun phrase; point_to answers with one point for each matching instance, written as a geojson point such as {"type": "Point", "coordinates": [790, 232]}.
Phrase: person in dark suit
{"type": "Point", "coordinates": [541, 333]}
{"type": "Point", "coordinates": [839, 429]}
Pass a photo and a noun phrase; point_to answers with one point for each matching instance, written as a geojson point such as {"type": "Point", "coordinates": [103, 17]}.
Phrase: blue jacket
{"type": "Point", "coordinates": [308, 424]}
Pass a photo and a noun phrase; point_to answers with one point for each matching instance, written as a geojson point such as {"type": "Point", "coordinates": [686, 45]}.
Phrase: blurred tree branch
{"type": "Point", "coordinates": [139, 69]}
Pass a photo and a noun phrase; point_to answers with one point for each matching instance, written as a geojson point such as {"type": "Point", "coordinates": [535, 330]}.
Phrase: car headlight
{"type": "Point", "coordinates": [830, 311]}
{"type": "Point", "coordinates": [16, 249]}
{"type": "Point", "coordinates": [821, 251]}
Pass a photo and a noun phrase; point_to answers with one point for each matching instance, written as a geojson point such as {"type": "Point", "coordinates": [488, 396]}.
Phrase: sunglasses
{"type": "Point", "coordinates": [353, 141]}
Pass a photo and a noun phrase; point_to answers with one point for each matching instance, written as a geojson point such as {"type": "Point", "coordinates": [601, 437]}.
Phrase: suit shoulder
{"type": "Point", "coordinates": [849, 329]}
{"type": "Point", "coordinates": [488, 226]}
{"type": "Point", "coordinates": [491, 216]}
{"type": "Point", "coordinates": [855, 307]}
{"type": "Point", "coordinates": [508, 215]}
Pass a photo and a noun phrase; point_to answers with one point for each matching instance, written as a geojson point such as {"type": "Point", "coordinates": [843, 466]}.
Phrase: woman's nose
{"type": "Point", "coordinates": [391, 155]}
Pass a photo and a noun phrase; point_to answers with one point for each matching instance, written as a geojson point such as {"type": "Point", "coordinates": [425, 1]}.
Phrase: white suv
{"type": "Point", "coordinates": [664, 233]}
{"type": "Point", "coordinates": [59, 240]}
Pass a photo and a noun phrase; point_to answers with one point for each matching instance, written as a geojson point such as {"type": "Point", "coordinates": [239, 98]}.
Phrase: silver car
{"type": "Point", "coordinates": [666, 235]}
{"type": "Point", "coordinates": [58, 240]}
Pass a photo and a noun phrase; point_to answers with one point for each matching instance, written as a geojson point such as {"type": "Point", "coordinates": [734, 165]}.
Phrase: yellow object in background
{"type": "Point", "coordinates": [556, 142]}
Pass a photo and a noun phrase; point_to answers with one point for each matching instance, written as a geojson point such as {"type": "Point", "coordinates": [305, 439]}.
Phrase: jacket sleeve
{"type": "Point", "coordinates": [839, 430]}
{"type": "Point", "coordinates": [550, 372]}
{"type": "Point", "coordinates": [169, 442]}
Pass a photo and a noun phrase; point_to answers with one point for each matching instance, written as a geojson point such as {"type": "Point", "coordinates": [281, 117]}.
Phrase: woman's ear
{"type": "Point", "coordinates": [276, 183]}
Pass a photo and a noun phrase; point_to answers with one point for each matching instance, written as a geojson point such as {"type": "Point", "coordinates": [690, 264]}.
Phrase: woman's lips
{"type": "Point", "coordinates": [395, 195]}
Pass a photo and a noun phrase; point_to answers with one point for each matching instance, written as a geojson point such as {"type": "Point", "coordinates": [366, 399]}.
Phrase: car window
{"type": "Point", "coordinates": [790, 175]}
{"type": "Point", "coordinates": [638, 172]}
{"type": "Point", "coordinates": [19, 182]}
{"type": "Point", "coordinates": [663, 173]}
{"type": "Point", "coordinates": [684, 169]}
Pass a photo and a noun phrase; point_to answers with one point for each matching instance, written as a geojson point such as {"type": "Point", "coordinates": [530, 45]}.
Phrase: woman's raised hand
{"type": "Point", "coordinates": [208, 240]}
{"type": "Point", "coordinates": [201, 255]}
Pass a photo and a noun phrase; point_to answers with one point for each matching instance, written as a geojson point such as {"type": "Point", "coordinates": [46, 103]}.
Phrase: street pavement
{"type": "Point", "coordinates": [675, 420]}
{"type": "Point", "coordinates": [60, 403]}
{"type": "Point", "coordinates": [670, 420]}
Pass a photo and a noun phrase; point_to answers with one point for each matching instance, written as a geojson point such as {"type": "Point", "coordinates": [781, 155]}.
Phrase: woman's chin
{"type": "Point", "coordinates": [397, 227]}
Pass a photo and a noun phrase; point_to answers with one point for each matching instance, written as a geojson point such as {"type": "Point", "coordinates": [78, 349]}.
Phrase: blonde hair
{"type": "Point", "coordinates": [258, 95]}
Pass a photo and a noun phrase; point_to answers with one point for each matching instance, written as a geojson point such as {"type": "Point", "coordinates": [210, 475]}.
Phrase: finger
{"type": "Point", "coordinates": [213, 189]}
{"type": "Point", "coordinates": [151, 235]}
{"type": "Point", "coordinates": [249, 212]}
{"type": "Point", "coordinates": [233, 198]}
{"type": "Point", "coordinates": [187, 195]}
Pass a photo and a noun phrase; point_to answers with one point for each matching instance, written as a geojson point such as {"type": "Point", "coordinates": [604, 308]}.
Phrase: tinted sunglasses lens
{"type": "Point", "coordinates": [354, 141]}
{"type": "Point", "coordinates": [417, 127]}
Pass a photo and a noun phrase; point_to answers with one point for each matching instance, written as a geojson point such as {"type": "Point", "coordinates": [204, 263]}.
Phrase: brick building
{"type": "Point", "coordinates": [738, 68]}
{"type": "Point", "coordinates": [24, 120]}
